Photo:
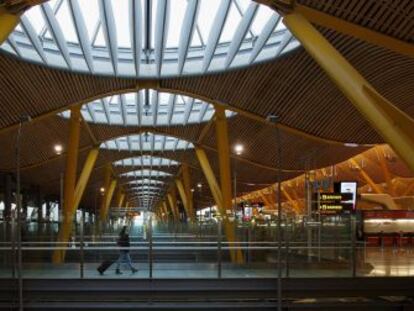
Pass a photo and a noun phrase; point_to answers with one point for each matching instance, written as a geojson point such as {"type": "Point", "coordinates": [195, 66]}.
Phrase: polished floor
{"type": "Point", "coordinates": [370, 263]}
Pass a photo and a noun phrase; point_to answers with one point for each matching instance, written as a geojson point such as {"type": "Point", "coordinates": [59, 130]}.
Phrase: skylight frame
{"type": "Point", "coordinates": [156, 59]}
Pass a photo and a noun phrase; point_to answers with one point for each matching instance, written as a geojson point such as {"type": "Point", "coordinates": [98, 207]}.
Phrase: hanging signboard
{"type": "Point", "coordinates": [338, 202]}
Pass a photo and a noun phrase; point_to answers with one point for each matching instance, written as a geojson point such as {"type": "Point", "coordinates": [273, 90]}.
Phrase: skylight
{"type": "Point", "coordinates": [150, 38]}
{"type": "Point", "coordinates": [145, 173]}
{"type": "Point", "coordinates": [147, 141]}
{"type": "Point", "coordinates": [147, 108]}
{"type": "Point", "coordinates": [146, 160]}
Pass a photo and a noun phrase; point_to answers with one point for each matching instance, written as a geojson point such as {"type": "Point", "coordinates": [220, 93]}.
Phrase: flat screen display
{"type": "Point", "coordinates": [349, 187]}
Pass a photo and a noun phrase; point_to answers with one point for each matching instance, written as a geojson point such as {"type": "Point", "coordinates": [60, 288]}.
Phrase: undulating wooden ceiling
{"type": "Point", "coordinates": [292, 87]}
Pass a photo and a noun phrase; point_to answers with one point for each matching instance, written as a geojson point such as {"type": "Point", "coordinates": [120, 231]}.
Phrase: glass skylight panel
{"type": "Point", "coordinates": [101, 43]}
{"type": "Point", "coordinates": [175, 23]}
{"type": "Point", "coordinates": [145, 173]}
{"type": "Point", "coordinates": [146, 181]}
{"type": "Point", "coordinates": [147, 142]}
{"type": "Point", "coordinates": [146, 161]}
{"type": "Point", "coordinates": [135, 109]}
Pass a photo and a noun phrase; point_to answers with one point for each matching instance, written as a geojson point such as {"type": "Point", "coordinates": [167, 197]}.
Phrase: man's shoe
{"type": "Point", "coordinates": [118, 271]}
{"type": "Point", "coordinates": [134, 270]}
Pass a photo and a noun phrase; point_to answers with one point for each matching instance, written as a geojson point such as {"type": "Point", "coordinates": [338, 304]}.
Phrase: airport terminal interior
{"type": "Point", "coordinates": [206, 155]}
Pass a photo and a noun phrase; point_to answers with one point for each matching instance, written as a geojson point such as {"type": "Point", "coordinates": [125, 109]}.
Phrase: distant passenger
{"type": "Point", "coordinates": [123, 241]}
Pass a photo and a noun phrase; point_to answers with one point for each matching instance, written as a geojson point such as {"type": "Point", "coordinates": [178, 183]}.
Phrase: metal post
{"type": "Point", "coordinates": [13, 241]}
{"type": "Point", "coordinates": [353, 242]}
{"type": "Point", "coordinates": [287, 239]}
{"type": "Point", "coordinates": [319, 234]}
{"type": "Point", "coordinates": [308, 202]}
{"type": "Point", "coordinates": [150, 247]}
{"type": "Point", "coordinates": [235, 189]}
{"type": "Point", "coordinates": [60, 211]}
{"type": "Point", "coordinates": [19, 207]}
{"type": "Point", "coordinates": [81, 229]}
{"type": "Point", "coordinates": [275, 120]}
{"type": "Point", "coordinates": [219, 228]}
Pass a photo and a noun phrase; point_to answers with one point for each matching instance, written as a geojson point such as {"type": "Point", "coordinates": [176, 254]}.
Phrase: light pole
{"type": "Point", "coordinates": [238, 150]}
{"type": "Point", "coordinates": [23, 119]}
{"type": "Point", "coordinates": [275, 120]}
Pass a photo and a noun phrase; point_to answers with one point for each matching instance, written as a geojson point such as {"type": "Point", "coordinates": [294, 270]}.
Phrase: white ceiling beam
{"type": "Point", "coordinates": [136, 30]}
{"type": "Point", "coordinates": [123, 104]}
{"type": "Point", "coordinates": [154, 106]}
{"type": "Point", "coordinates": [215, 33]}
{"type": "Point", "coordinates": [56, 32]}
{"type": "Point", "coordinates": [171, 106]}
{"type": "Point", "coordinates": [105, 107]}
{"type": "Point", "coordinates": [240, 33]}
{"type": "Point", "coordinates": [91, 111]}
{"type": "Point", "coordinates": [283, 43]}
{"type": "Point", "coordinates": [161, 30]}
{"type": "Point", "coordinates": [81, 31]}
{"type": "Point", "coordinates": [33, 37]}
{"type": "Point", "coordinates": [13, 44]}
{"type": "Point", "coordinates": [187, 30]}
{"type": "Point", "coordinates": [188, 108]}
{"type": "Point", "coordinates": [203, 111]}
{"type": "Point", "coordinates": [264, 36]}
{"type": "Point", "coordinates": [139, 99]}
{"type": "Point", "coordinates": [109, 29]}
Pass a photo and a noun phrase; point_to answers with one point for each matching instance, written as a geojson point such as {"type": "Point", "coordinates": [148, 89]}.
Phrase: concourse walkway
{"type": "Point", "coordinates": [371, 262]}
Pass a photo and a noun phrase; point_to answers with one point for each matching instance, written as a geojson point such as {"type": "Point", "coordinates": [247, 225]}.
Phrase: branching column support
{"type": "Point", "coordinates": [183, 196]}
{"type": "Point", "coordinates": [294, 204]}
{"type": "Point", "coordinates": [172, 199]}
{"type": "Point", "coordinates": [366, 177]}
{"type": "Point", "coordinates": [8, 21]}
{"type": "Point", "coordinates": [223, 151]}
{"type": "Point", "coordinates": [236, 254]}
{"type": "Point", "coordinates": [109, 193]}
{"type": "Point", "coordinates": [165, 207]}
{"type": "Point", "coordinates": [70, 182]}
{"type": "Point", "coordinates": [386, 171]}
{"type": "Point", "coordinates": [187, 188]}
{"type": "Point", "coordinates": [121, 199]}
{"type": "Point", "coordinates": [10, 13]}
{"type": "Point", "coordinates": [394, 125]}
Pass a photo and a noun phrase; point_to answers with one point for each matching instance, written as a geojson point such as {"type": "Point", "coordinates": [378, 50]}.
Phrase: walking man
{"type": "Point", "coordinates": [123, 242]}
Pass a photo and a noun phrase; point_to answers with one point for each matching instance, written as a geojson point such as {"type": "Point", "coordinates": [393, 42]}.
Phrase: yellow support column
{"type": "Point", "coordinates": [223, 151]}
{"type": "Point", "coordinates": [84, 176]}
{"type": "Point", "coordinates": [8, 22]}
{"type": "Point", "coordinates": [211, 179]}
{"type": "Point", "coordinates": [172, 199]}
{"type": "Point", "coordinates": [121, 199]}
{"type": "Point", "coordinates": [366, 177]}
{"type": "Point", "coordinates": [183, 195]}
{"type": "Point", "coordinates": [165, 206]}
{"type": "Point", "coordinates": [109, 193]}
{"type": "Point", "coordinates": [70, 182]}
{"type": "Point", "coordinates": [394, 125]}
{"type": "Point", "coordinates": [187, 188]}
{"type": "Point", "coordinates": [229, 228]}
{"type": "Point", "coordinates": [290, 200]}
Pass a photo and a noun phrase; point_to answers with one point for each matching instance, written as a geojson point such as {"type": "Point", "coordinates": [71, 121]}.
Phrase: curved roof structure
{"type": "Point", "coordinates": [318, 125]}
{"type": "Point", "coordinates": [155, 38]}
{"type": "Point", "coordinates": [146, 173]}
{"type": "Point", "coordinates": [147, 108]}
{"type": "Point", "coordinates": [145, 160]}
{"type": "Point", "coordinates": [146, 141]}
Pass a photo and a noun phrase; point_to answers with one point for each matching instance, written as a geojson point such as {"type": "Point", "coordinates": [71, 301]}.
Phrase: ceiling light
{"type": "Point", "coordinates": [199, 185]}
{"type": "Point", "coordinates": [58, 149]}
{"type": "Point", "coordinates": [238, 149]}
